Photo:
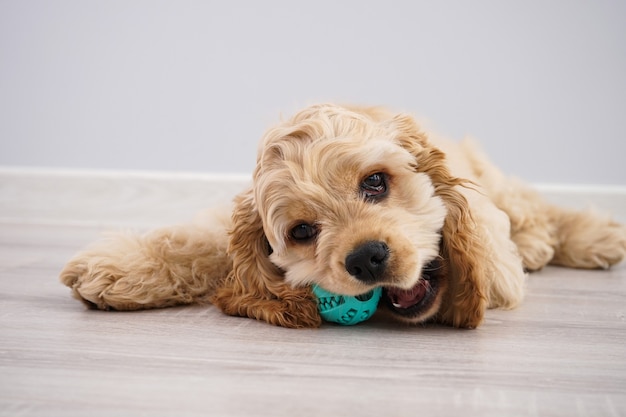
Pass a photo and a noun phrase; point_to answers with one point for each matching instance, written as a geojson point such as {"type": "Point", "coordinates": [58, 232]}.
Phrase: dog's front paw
{"type": "Point", "coordinates": [98, 283]}
{"type": "Point", "coordinates": [88, 281]}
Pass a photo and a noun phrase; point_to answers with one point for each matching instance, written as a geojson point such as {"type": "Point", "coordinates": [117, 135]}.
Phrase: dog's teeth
{"type": "Point", "coordinates": [396, 305]}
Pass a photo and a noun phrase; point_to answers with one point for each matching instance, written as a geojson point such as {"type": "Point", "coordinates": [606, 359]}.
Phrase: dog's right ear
{"type": "Point", "coordinates": [255, 288]}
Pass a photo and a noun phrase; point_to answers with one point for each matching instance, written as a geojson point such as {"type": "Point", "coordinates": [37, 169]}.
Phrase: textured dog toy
{"type": "Point", "coordinates": [345, 309]}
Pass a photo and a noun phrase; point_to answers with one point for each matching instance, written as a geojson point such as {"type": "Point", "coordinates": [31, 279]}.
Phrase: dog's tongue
{"type": "Point", "coordinates": [407, 298]}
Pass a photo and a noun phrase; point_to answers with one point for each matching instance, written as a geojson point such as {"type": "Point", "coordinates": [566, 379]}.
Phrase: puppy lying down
{"type": "Point", "coordinates": [352, 199]}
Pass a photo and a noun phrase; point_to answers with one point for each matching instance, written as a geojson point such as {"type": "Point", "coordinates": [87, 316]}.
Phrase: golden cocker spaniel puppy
{"type": "Point", "coordinates": [353, 199]}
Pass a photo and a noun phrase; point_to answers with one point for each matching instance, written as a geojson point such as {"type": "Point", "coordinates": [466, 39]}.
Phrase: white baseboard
{"type": "Point", "coordinates": [610, 199]}
{"type": "Point", "coordinates": [145, 199]}
{"type": "Point", "coordinates": [115, 199]}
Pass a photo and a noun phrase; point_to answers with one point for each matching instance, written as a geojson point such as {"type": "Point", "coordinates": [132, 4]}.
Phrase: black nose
{"type": "Point", "coordinates": [368, 261]}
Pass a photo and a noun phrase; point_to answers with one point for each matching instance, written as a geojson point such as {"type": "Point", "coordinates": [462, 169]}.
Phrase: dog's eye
{"type": "Point", "coordinates": [303, 232]}
{"type": "Point", "coordinates": [374, 186]}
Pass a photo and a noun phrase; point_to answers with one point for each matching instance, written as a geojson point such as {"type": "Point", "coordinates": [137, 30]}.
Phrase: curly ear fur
{"type": "Point", "coordinates": [255, 287]}
{"type": "Point", "coordinates": [465, 302]}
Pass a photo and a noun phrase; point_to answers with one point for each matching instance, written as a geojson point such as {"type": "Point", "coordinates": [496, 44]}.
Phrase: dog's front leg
{"type": "Point", "coordinates": [166, 267]}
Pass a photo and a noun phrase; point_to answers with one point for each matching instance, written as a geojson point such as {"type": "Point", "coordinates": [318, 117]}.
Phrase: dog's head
{"type": "Point", "coordinates": [353, 199]}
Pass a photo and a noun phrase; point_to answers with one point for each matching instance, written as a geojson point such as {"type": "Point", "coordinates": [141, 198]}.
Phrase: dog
{"type": "Point", "coordinates": [351, 199]}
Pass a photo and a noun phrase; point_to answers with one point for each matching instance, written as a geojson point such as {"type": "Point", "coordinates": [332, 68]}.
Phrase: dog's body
{"type": "Point", "coordinates": [352, 199]}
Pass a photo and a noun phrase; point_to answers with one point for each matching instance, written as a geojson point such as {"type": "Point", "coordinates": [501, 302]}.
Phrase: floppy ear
{"type": "Point", "coordinates": [462, 249]}
{"type": "Point", "coordinates": [255, 288]}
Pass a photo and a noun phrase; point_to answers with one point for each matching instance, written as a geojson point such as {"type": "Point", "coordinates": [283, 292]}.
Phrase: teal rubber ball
{"type": "Point", "coordinates": [345, 309]}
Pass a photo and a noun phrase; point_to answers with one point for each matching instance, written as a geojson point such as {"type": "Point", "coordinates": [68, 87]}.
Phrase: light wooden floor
{"type": "Point", "coordinates": [563, 352]}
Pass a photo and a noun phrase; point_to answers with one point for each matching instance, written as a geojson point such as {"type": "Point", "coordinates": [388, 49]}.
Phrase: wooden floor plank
{"type": "Point", "coordinates": [563, 352]}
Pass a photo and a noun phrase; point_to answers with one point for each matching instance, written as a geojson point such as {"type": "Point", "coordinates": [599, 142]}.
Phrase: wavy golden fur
{"type": "Point", "coordinates": [352, 199]}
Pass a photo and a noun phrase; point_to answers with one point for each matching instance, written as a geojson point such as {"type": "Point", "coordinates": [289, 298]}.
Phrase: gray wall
{"type": "Point", "coordinates": [191, 85]}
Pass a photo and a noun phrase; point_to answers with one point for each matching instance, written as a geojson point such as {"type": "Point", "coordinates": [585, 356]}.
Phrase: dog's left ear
{"type": "Point", "coordinates": [255, 288]}
{"type": "Point", "coordinates": [465, 302]}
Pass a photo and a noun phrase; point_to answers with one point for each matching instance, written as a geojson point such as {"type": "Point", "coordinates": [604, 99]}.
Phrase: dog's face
{"type": "Point", "coordinates": [343, 205]}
